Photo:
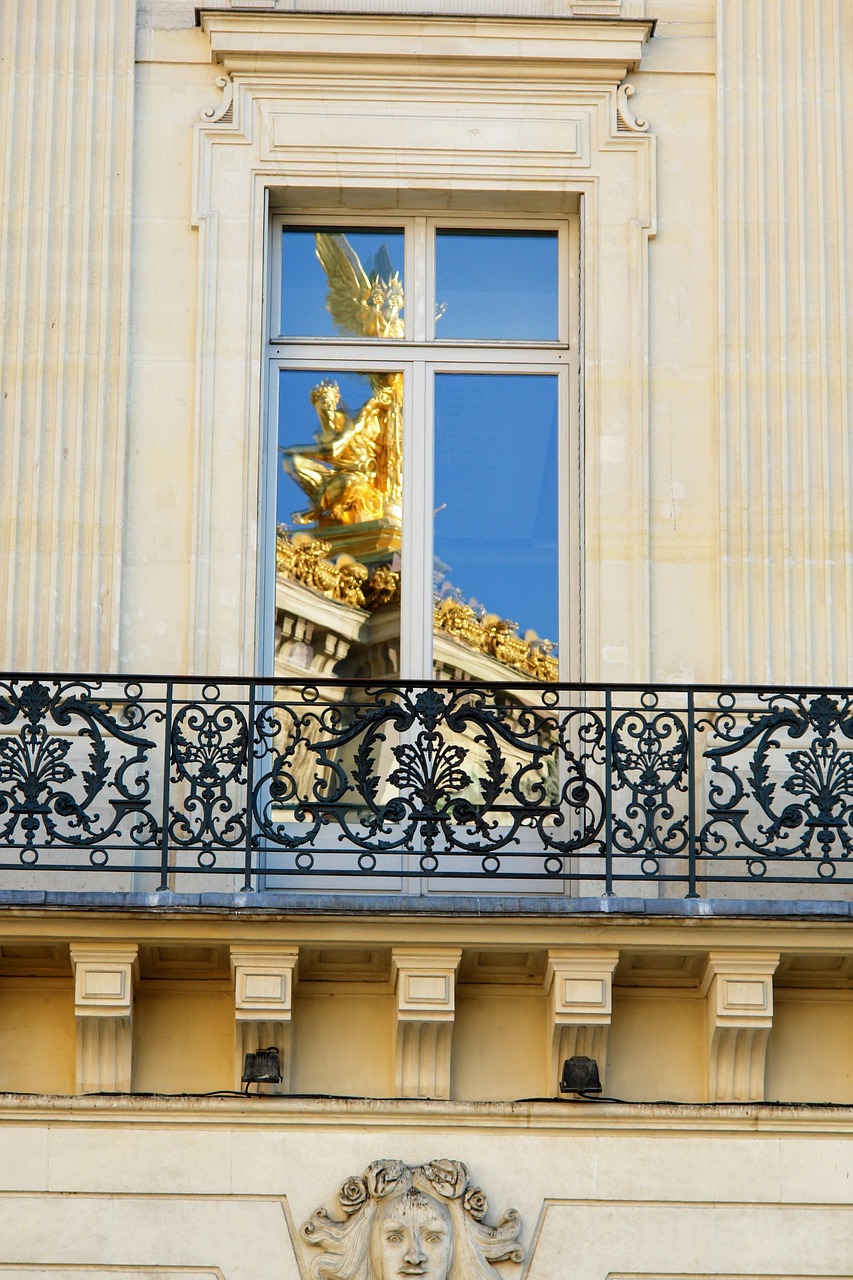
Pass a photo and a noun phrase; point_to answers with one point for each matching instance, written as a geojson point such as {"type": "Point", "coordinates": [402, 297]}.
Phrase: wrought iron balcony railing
{"type": "Point", "coordinates": [166, 784]}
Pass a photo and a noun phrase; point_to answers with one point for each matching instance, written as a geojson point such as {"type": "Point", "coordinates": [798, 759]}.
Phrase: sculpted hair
{"type": "Point", "coordinates": [346, 1245]}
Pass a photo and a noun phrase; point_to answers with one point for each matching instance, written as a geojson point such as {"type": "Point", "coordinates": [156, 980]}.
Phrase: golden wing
{"type": "Point", "coordinates": [349, 287]}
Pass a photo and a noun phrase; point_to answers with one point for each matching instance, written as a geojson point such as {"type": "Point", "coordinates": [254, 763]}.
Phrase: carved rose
{"type": "Point", "coordinates": [385, 1176]}
{"type": "Point", "coordinates": [448, 1178]}
{"type": "Point", "coordinates": [353, 1194]}
{"type": "Point", "coordinates": [476, 1203]}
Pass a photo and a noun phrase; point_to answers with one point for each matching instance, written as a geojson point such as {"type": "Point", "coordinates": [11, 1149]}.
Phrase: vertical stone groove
{"type": "Point", "coordinates": [784, 183]}
{"type": "Point", "coordinates": [66, 96]}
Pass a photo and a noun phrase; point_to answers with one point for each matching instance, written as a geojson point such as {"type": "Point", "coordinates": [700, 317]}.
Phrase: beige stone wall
{"type": "Point", "coordinates": [220, 1188]}
{"type": "Point", "coordinates": [66, 128]}
{"type": "Point", "coordinates": [785, 288]}
{"type": "Point", "coordinates": [717, 521]}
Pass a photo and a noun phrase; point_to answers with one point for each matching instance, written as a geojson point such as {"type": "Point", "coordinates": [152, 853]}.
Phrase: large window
{"type": "Point", "coordinates": [421, 375]}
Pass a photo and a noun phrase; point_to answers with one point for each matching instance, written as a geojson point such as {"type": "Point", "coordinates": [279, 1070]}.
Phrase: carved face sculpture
{"type": "Point", "coordinates": [411, 1236]}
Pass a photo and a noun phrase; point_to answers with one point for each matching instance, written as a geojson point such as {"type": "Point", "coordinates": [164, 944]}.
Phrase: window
{"type": "Point", "coordinates": [421, 373]}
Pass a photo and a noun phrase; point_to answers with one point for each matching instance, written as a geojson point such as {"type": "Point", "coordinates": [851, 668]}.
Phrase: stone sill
{"type": "Point", "coordinates": [437, 906]}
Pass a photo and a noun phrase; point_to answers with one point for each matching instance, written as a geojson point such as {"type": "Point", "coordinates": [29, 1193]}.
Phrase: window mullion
{"type": "Point", "coordinates": [416, 555]}
{"type": "Point", "coordinates": [417, 272]}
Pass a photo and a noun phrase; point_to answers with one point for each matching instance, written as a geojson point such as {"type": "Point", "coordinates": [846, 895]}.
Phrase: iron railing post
{"type": "Point", "coordinates": [608, 793]}
{"type": "Point", "coordinates": [167, 774]}
{"type": "Point", "coordinates": [250, 778]}
{"type": "Point", "coordinates": [691, 796]}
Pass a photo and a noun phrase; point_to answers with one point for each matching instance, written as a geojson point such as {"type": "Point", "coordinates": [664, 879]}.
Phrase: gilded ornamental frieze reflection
{"type": "Point", "coordinates": [306, 560]}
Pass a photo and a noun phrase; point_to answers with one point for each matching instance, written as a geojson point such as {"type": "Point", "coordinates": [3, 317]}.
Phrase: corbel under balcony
{"type": "Point", "coordinates": [738, 989]}
{"type": "Point", "coordinates": [580, 987]}
{"type": "Point", "coordinates": [425, 985]}
{"type": "Point", "coordinates": [104, 979]}
{"type": "Point", "coordinates": [264, 979]}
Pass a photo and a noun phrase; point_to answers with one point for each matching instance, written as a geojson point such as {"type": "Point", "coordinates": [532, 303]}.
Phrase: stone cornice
{"type": "Point", "coordinates": [749, 1119]}
{"type": "Point", "coordinates": [245, 40]}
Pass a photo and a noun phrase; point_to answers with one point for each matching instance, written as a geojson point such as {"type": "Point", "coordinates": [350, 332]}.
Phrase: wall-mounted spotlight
{"type": "Point", "coordinates": [263, 1067]}
{"type": "Point", "coordinates": [580, 1076]}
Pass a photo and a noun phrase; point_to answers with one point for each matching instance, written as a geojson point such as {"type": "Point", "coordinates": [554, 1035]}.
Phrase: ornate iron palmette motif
{"type": "Point", "coordinates": [776, 803]}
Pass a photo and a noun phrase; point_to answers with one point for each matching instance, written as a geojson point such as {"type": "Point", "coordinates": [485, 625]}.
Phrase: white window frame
{"type": "Point", "coordinates": [419, 356]}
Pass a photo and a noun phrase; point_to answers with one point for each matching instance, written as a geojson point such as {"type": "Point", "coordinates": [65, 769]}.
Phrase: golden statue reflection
{"type": "Point", "coordinates": [352, 472]}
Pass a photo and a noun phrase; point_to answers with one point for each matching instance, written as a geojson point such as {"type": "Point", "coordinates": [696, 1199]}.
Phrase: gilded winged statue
{"type": "Point", "coordinates": [352, 472]}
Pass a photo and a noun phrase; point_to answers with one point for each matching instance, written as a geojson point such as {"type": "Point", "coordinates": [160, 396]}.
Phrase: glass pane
{"type": "Point", "coordinates": [341, 283]}
{"type": "Point", "coordinates": [496, 285]}
{"type": "Point", "coordinates": [338, 515]}
{"type": "Point", "coordinates": [495, 519]}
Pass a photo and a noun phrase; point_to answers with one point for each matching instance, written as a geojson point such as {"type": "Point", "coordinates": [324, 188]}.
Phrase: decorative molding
{"type": "Point", "coordinates": [224, 110]}
{"type": "Point", "coordinates": [318, 119]}
{"type": "Point", "coordinates": [264, 979]}
{"type": "Point", "coordinates": [580, 984]}
{"type": "Point", "coordinates": [625, 116]}
{"type": "Point", "coordinates": [425, 984]}
{"type": "Point", "coordinates": [738, 988]}
{"type": "Point", "coordinates": [66, 168]}
{"type": "Point", "coordinates": [104, 979]}
{"type": "Point", "coordinates": [785, 298]}
{"type": "Point", "coordinates": [439, 1194]}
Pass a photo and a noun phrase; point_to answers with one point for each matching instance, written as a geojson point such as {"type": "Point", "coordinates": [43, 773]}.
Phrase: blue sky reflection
{"type": "Point", "coordinates": [496, 493]}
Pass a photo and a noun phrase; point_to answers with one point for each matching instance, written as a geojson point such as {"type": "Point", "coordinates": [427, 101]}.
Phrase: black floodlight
{"type": "Point", "coordinates": [263, 1067]}
{"type": "Point", "coordinates": [580, 1075]}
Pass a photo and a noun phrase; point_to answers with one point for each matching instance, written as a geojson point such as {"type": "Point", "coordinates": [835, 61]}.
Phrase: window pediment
{"type": "Point", "coordinates": [604, 50]}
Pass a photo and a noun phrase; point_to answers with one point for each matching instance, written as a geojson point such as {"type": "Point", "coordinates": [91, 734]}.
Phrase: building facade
{"type": "Point", "coordinates": [426, 555]}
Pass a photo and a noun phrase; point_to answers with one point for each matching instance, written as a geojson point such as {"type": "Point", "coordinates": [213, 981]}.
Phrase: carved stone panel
{"type": "Point", "coordinates": [400, 1219]}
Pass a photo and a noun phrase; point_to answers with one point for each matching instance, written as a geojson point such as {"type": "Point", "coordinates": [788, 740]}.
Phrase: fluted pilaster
{"type": "Point", "coordinates": [66, 95]}
{"type": "Point", "coordinates": [785, 188]}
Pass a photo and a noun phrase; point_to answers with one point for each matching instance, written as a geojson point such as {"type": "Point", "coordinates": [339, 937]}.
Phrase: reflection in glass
{"type": "Point", "coordinates": [496, 523]}
{"type": "Point", "coordinates": [338, 512]}
{"type": "Point", "coordinates": [496, 285]}
{"type": "Point", "coordinates": [341, 283]}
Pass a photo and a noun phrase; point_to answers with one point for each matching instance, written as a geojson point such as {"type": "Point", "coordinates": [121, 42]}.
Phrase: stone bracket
{"type": "Point", "coordinates": [264, 979]}
{"type": "Point", "coordinates": [579, 984]}
{"type": "Point", "coordinates": [104, 979]}
{"type": "Point", "coordinates": [738, 989]}
{"type": "Point", "coordinates": [425, 985]}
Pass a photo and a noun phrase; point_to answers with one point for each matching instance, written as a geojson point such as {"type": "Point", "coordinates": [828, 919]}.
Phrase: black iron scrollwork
{"type": "Point", "coordinates": [576, 786]}
{"type": "Point", "coordinates": [428, 771]}
{"type": "Point", "coordinates": [73, 774]}
{"type": "Point", "coordinates": [210, 751]}
{"type": "Point", "coordinates": [649, 749]}
{"type": "Point", "coordinates": [752, 774]}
